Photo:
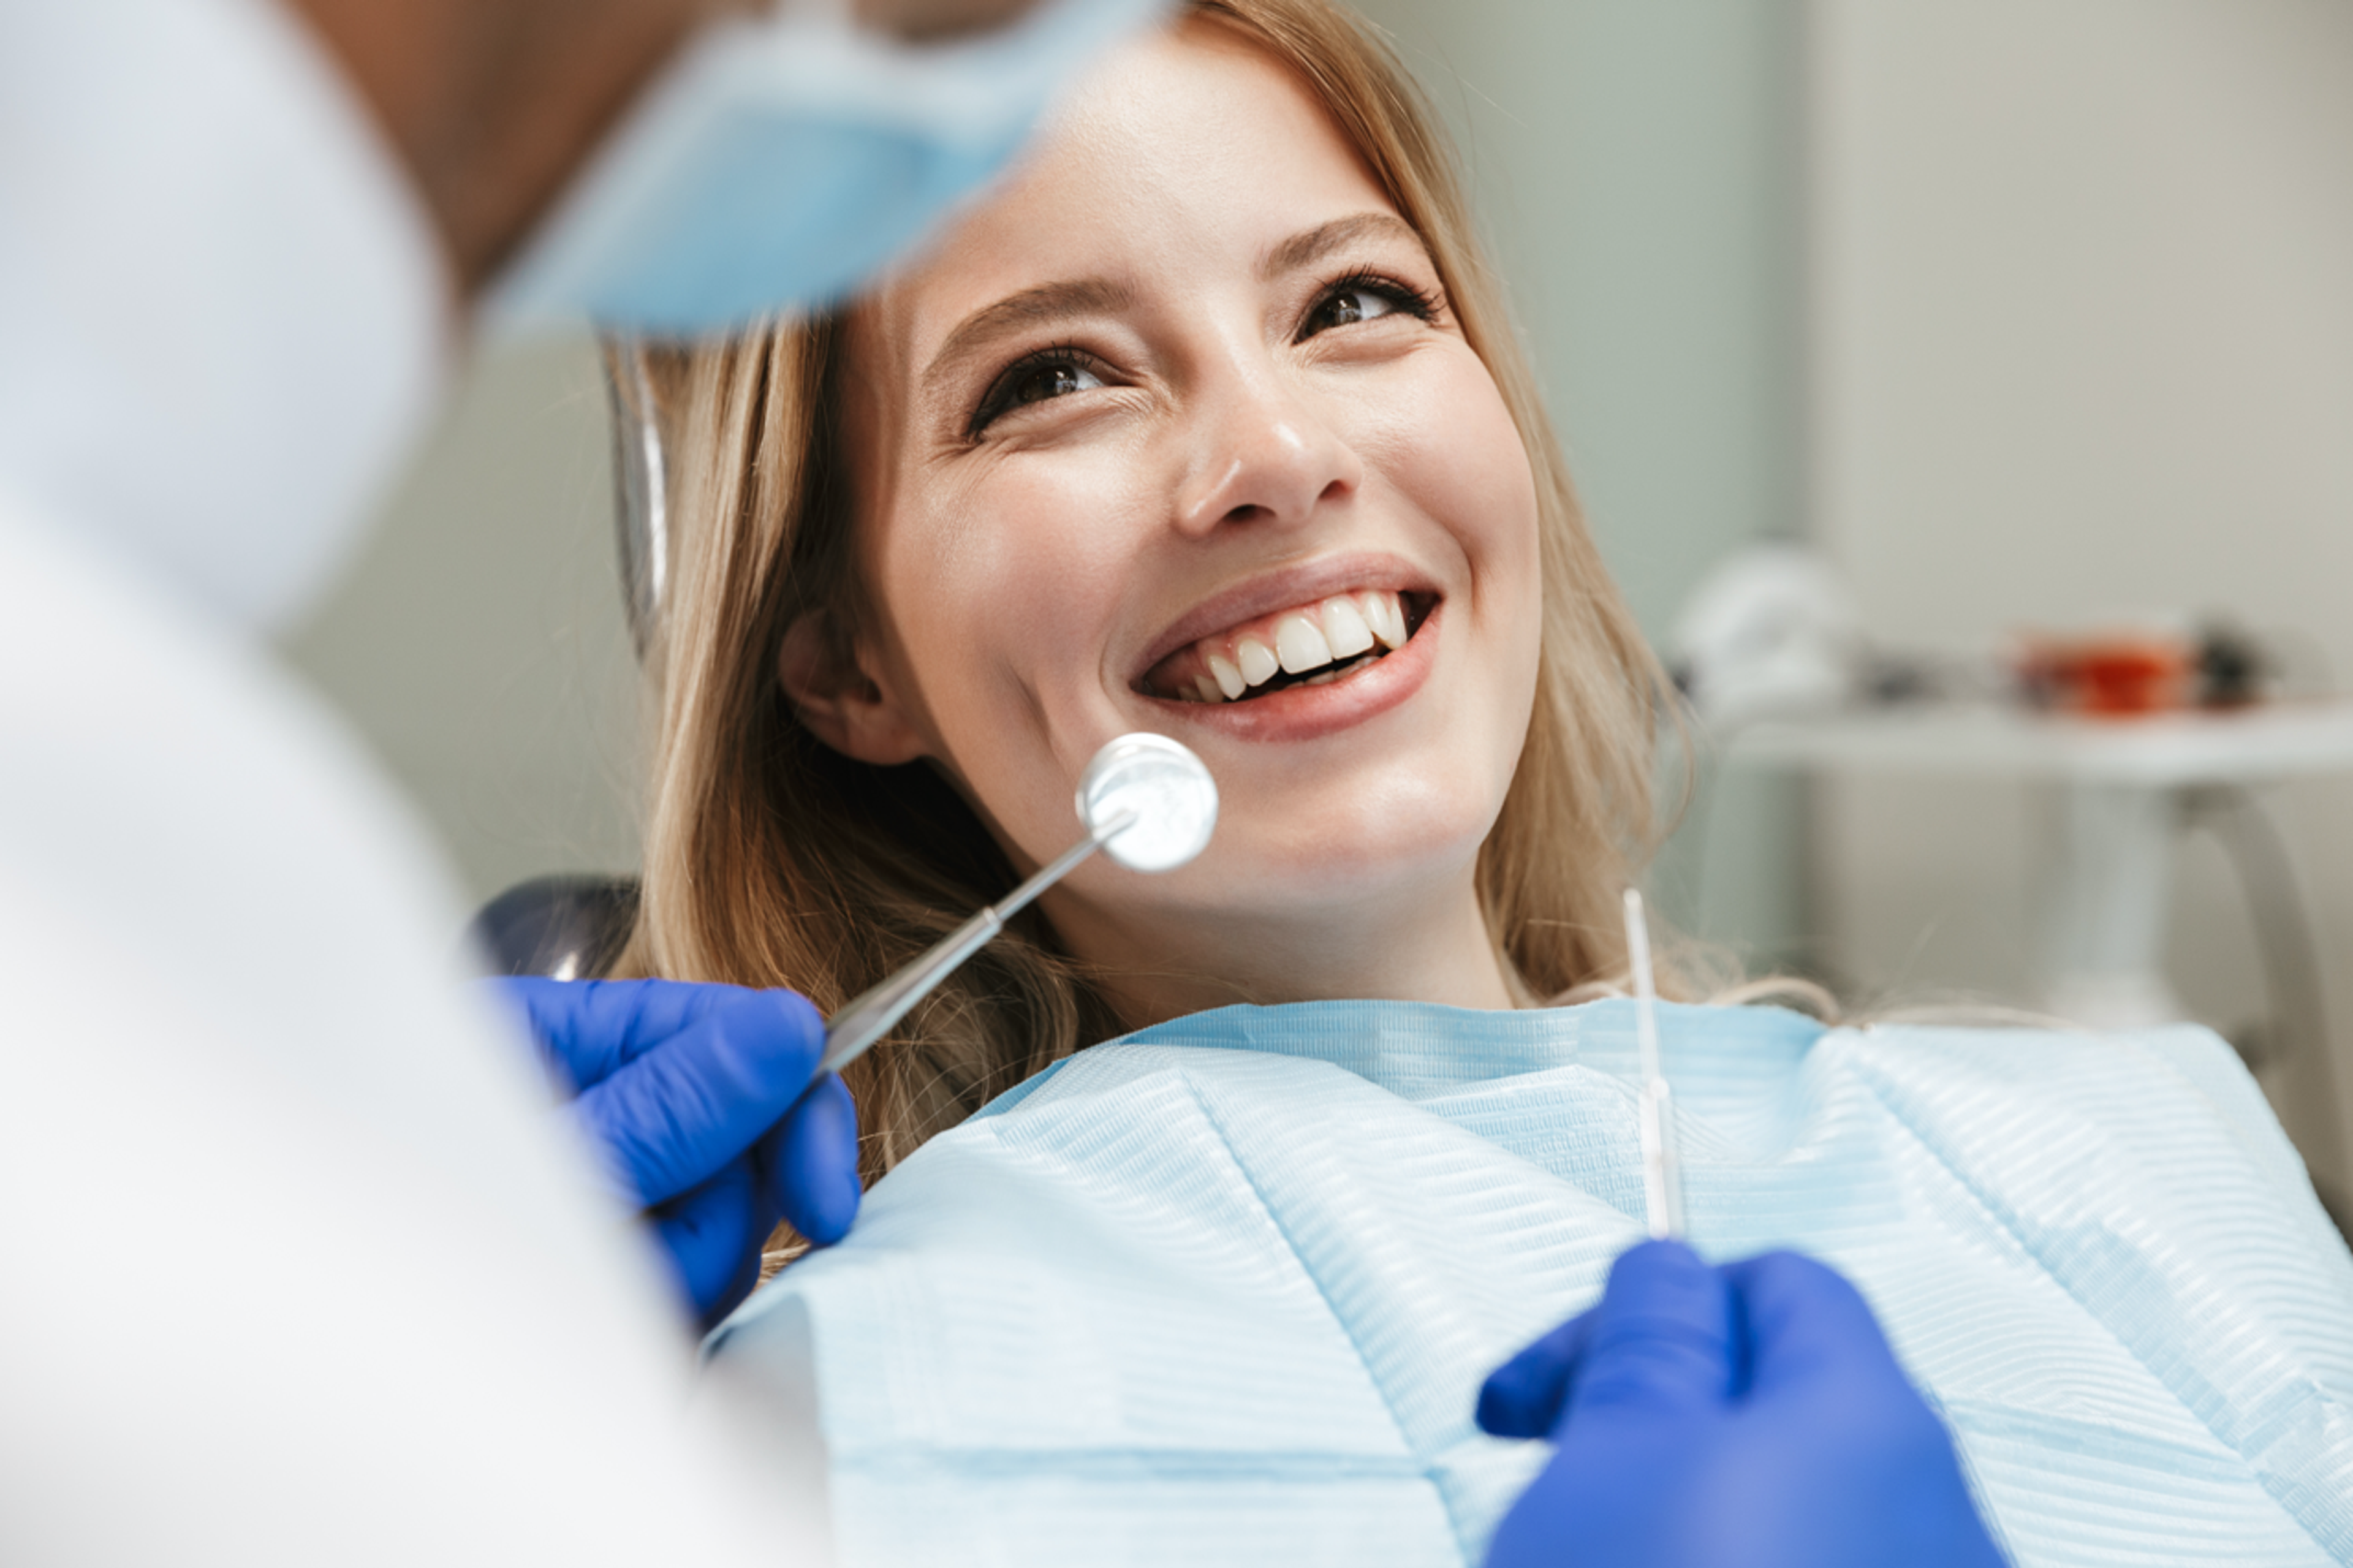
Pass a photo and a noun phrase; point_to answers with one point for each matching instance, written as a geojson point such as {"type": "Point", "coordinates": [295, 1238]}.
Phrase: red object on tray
{"type": "Point", "coordinates": [2113, 675]}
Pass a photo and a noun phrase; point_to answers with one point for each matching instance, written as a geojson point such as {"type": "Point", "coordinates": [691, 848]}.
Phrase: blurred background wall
{"type": "Point", "coordinates": [478, 643]}
{"type": "Point", "coordinates": [2022, 310]}
{"type": "Point", "coordinates": [2081, 308]}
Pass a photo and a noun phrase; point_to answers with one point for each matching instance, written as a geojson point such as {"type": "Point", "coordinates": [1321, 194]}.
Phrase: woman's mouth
{"type": "Point", "coordinates": [1313, 644]}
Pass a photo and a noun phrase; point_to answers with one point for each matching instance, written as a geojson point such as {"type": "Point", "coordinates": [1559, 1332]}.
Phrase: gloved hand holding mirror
{"type": "Point", "coordinates": [717, 1109]}
{"type": "Point", "coordinates": [706, 1108]}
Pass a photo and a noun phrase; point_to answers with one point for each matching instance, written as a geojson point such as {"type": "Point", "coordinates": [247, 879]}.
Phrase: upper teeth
{"type": "Point", "coordinates": [1223, 667]}
{"type": "Point", "coordinates": [1230, 681]}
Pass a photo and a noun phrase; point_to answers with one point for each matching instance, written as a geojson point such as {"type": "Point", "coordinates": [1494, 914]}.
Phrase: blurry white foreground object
{"type": "Point", "coordinates": [1164, 787]}
{"type": "Point", "coordinates": [1662, 1193]}
{"type": "Point", "coordinates": [1771, 631]}
{"type": "Point", "coordinates": [1148, 801]}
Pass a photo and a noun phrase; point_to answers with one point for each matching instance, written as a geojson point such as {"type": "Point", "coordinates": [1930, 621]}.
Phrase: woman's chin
{"type": "Point", "coordinates": [1385, 847]}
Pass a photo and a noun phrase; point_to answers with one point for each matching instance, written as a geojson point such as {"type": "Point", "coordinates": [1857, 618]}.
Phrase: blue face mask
{"type": "Point", "coordinates": [783, 160]}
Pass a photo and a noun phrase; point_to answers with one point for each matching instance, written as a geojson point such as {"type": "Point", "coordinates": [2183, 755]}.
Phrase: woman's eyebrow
{"type": "Point", "coordinates": [1021, 313]}
{"type": "Point", "coordinates": [1305, 249]}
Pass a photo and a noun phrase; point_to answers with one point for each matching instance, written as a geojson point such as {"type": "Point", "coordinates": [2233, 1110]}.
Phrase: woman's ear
{"type": "Point", "coordinates": [841, 704]}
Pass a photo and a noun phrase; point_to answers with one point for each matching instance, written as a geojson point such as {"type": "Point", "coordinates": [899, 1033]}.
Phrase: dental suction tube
{"type": "Point", "coordinates": [1147, 802]}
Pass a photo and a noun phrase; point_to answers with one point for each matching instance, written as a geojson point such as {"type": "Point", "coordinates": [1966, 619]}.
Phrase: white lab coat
{"type": "Point", "coordinates": [297, 1263]}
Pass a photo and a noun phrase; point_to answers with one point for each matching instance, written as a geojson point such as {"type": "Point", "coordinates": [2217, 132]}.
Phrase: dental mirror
{"type": "Point", "coordinates": [1164, 787]}
{"type": "Point", "coordinates": [1147, 803]}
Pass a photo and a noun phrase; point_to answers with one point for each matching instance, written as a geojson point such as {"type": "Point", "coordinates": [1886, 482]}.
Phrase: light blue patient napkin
{"type": "Point", "coordinates": [1223, 1292]}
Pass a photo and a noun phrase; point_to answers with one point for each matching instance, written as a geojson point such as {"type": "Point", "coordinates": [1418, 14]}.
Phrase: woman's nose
{"type": "Point", "coordinates": [1262, 455]}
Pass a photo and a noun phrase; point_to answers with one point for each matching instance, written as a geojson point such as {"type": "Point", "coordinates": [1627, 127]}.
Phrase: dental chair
{"type": "Point", "coordinates": [574, 927]}
{"type": "Point", "coordinates": [565, 927]}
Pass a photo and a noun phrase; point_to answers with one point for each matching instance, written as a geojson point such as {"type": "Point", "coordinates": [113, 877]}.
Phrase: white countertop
{"type": "Point", "coordinates": [2268, 742]}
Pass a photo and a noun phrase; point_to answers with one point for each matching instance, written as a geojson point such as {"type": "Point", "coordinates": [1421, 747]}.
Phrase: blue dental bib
{"type": "Point", "coordinates": [1223, 1292]}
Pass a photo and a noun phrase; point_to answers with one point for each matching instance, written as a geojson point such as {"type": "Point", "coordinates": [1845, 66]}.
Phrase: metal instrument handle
{"type": "Point", "coordinates": [869, 1015]}
{"type": "Point", "coordinates": [1662, 1185]}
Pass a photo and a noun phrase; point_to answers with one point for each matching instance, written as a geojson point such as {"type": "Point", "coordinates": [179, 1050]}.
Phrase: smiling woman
{"type": "Point", "coordinates": [1209, 423]}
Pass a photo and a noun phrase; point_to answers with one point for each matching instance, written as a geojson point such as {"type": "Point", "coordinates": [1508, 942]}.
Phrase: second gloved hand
{"type": "Point", "coordinates": [1747, 1416]}
{"type": "Point", "coordinates": [704, 1104]}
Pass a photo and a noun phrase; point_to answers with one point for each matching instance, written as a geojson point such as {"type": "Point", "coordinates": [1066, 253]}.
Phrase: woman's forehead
{"type": "Point", "coordinates": [1189, 151]}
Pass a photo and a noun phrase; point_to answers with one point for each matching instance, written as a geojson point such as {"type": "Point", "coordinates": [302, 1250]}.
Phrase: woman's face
{"type": "Point", "coordinates": [1177, 433]}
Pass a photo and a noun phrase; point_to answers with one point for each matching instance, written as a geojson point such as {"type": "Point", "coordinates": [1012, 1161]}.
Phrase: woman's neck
{"type": "Point", "coordinates": [1416, 948]}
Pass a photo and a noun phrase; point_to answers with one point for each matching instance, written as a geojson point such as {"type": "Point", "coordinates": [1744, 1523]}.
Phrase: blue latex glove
{"type": "Point", "coordinates": [700, 1100]}
{"type": "Point", "coordinates": [1747, 1416]}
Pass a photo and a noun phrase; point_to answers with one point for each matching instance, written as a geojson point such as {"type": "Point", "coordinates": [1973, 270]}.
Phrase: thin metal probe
{"type": "Point", "coordinates": [869, 1015]}
{"type": "Point", "coordinates": [1663, 1191]}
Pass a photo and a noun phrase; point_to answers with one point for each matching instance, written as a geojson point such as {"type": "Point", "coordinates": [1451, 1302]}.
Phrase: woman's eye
{"type": "Point", "coordinates": [1039, 380]}
{"type": "Point", "coordinates": [1039, 383]}
{"type": "Point", "coordinates": [1352, 303]}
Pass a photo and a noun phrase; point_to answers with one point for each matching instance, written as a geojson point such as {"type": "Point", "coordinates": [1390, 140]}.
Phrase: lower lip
{"type": "Point", "coordinates": [1310, 712]}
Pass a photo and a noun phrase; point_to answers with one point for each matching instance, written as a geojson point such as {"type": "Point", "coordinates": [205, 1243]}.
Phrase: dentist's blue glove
{"type": "Point", "coordinates": [705, 1104]}
{"type": "Point", "coordinates": [1747, 1416]}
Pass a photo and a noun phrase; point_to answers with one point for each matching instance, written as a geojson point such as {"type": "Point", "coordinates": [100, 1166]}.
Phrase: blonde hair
{"type": "Point", "coordinates": [772, 860]}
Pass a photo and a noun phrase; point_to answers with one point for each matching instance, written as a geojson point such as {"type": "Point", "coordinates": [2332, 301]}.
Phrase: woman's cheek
{"type": "Point", "coordinates": [1009, 586]}
{"type": "Point", "coordinates": [1460, 458]}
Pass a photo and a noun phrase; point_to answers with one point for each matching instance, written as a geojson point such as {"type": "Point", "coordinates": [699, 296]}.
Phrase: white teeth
{"type": "Point", "coordinates": [1229, 681]}
{"type": "Point", "coordinates": [1345, 628]}
{"type": "Point", "coordinates": [1299, 644]}
{"type": "Point", "coordinates": [1326, 677]}
{"type": "Point", "coordinates": [1333, 638]}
